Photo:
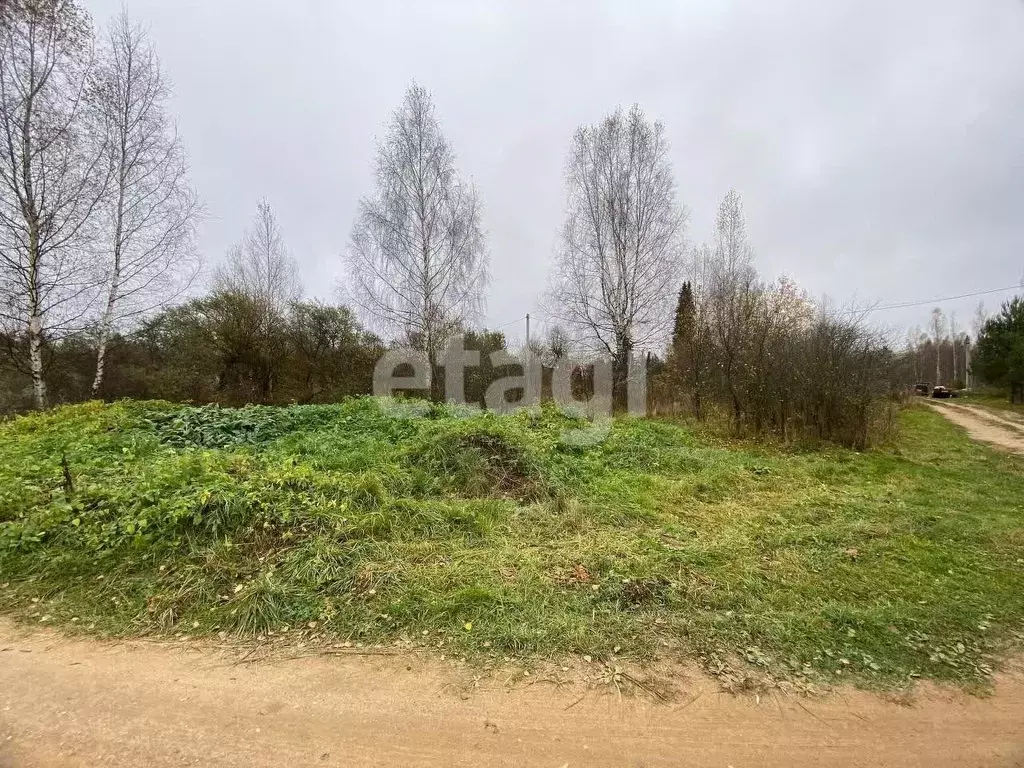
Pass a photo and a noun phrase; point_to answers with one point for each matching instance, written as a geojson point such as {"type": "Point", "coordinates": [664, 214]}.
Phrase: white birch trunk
{"type": "Point", "coordinates": [106, 323]}
{"type": "Point", "coordinates": [35, 320]}
{"type": "Point", "coordinates": [35, 357]}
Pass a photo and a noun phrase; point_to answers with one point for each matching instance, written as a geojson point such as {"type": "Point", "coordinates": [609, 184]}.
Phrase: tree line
{"type": "Point", "coordinates": [99, 271]}
{"type": "Point", "coordinates": [940, 353]}
{"type": "Point", "coordinates": [991, 356]}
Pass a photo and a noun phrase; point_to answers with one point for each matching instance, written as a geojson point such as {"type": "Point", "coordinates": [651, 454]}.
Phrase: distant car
{"type": "Point", "coordinates": [941, 393]}
{"type": "Point", "coordinates": [922, 389]}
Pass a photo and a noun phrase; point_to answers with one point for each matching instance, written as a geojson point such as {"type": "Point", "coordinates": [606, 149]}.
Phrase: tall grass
{"type": "Point", "coordinates": [876, 566]}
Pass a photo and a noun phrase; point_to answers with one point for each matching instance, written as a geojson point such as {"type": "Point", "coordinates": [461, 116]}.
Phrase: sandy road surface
{"type": "Point", "coordinates": [1000, 430]}
{"type": "Point", "coordinates": [72, 702]}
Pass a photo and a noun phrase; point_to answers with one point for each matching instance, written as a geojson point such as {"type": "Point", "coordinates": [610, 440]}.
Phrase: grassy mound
{"type": "Point", "coordinates": [497, 535]}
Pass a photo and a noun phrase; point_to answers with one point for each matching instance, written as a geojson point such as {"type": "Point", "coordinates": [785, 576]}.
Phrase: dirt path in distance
{"type": "Point", "coordinates": [74, 702]}
{"type": "Point", "coordinates": [1003, 431]}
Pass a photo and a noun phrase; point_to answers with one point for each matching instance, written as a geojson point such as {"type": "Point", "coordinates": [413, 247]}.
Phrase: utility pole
{"type": "Point", "coordinates": [527, 330]}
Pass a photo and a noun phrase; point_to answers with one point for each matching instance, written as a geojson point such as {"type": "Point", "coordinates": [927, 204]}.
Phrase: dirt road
{"type": "Point", "coordinates": [70, 702]}
{"type": "Point", "coordinates": [1000, 430]}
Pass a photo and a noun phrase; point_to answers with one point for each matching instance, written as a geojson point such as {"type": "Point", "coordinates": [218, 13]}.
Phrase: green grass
{"type": "Point", "coordinates": [993, 400]}
{"type": "Point", "coordinates": [872, 567]}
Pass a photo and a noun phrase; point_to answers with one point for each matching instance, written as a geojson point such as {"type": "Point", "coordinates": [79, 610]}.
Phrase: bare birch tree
{"type": "Point", "coordinates": [619, 263]}
{"type": "Point", "coordinates": [417, 260]}
{"type": "Point", "coordinates": [52, 177]}
{"type": "Point", "coordinates": [257, 286]}
{"type": "Point", "coordinates": [954, 340]}
{"type": "Point", "coordinates": [734, 289]}
{"type": "Point", "coordinates": [979, 319]}
{"type": "Point", "coordinates": [151, 210]}
{"type": "Point", "coordinates": [259, 267]}
{"type": "Point", "coordinates": [938, 335]}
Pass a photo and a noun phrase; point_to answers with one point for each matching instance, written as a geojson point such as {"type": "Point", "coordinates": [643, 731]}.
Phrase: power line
{"type": "Point", "coordinates": [880, 308]}
{"type": "Point", "coordinates": [938, 300]}
{"type": "Point", "coordinates": [510, 322]}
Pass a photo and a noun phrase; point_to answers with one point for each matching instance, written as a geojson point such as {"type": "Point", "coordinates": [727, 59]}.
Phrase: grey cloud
{"type": "Point", "coordinates": [879, 146]}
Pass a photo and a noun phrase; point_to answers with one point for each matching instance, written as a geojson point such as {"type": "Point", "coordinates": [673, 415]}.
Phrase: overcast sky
{"type": "Point", "coordinates": [878, 146]}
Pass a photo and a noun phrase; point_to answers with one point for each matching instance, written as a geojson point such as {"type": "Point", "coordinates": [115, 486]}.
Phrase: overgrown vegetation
{"type": "Point", "coordinates": [765, 354]}
{"type": "Point", "coordinates": [230, 348]}
{"type": "Point", "coordinates": [492, 535]}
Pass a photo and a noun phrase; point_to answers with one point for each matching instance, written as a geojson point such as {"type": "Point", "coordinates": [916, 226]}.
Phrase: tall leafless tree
{"type": "Point", "coordinates": [733, 292]}
{"type": "Point", "coordinates": [259, 267]}
{"type": "Point", "coordinates": [938, 328]}
{"type": "Point", "coordinates": [258, 285]}
{"type": "Point", "coordinates": [979, 319]}
{"type": "Point", "coordinates": [52, 177]}
{"type": "Point", "coordinates": [151, 210]}
{"type": "Point", "coordinates": [619, 263]}
{"type": "Point", "coordinates": [955, 341]}
{"type": "Point", "coordinates": [915, 343]}
{"type": "Point", "coordinates": [417, 260]}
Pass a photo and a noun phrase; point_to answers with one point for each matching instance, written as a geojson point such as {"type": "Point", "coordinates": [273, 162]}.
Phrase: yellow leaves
{"type": "Point", "coordinates": [468, 626]}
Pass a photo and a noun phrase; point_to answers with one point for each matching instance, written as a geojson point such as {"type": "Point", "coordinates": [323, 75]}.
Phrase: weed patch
{"type": "Point", "coordinates": [475, 463]}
